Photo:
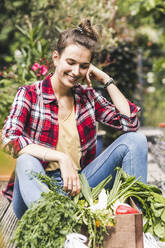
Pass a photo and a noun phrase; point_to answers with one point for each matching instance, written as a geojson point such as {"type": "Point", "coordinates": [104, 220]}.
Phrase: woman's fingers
{"type": "Point", "coordinates": [88, 75]}
{"type": "Point", "coordinates": [74, 186]}
{"type": "Point", "coordinates": [65, 182]}
{"type": "Point", "coordinates": [78, 185]}
{"type": "Point", "coordinates": [96, 74]}
{"type": "Point", "coordinates": [71, 182]}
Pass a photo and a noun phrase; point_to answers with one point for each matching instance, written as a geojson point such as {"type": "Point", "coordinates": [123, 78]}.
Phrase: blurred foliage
{"type": "Point", "coordinates": [155, 105]}
{"type": "Point", "coordinates": [124, 27]}
{"type": "Point", "coordinates": [121, 59]}
{"type": "Point", "coordinates": [143, 8]}
{"type": "Point", "coordinates": [7, 165]}
{"type": "Point", "coordinates": [20, 71]}
{"type": "Point", "coordinates": [35, 27]}
{"type": "Point", "coordinates": [147, 18]}
{"type": "Point", "coordinates": [54, 16]}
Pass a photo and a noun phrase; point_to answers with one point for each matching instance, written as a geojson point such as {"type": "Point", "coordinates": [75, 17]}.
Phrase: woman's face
{"type": "Point", "coordinates": [72, 65]}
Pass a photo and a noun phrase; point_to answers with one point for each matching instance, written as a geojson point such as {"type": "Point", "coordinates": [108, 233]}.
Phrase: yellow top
{"type": "Point", "coordinates": [68, 141]}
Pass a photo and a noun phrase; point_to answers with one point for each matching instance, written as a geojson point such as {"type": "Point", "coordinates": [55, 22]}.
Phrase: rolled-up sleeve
{"type": "Point", "coordinates": [108, 114]}
{"type": "Point", "coordinates": [130, 123]}
{"type": "Point", "coordinates": [13, 135]}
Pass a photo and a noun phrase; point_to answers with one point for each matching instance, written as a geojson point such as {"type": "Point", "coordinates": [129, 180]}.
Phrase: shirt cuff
{"type": "Point", "coordinates": [16, 144]}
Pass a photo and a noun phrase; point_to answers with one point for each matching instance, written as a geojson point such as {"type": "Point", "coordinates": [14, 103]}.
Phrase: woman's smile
{"type": "Point", "coordinates": [71, 78]}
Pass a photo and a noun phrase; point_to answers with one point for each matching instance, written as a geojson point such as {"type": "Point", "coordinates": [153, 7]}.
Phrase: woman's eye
{"type": "Point", "coordinates": [84, 66]}
{"type": "Point", "coordinates": [71, 63]}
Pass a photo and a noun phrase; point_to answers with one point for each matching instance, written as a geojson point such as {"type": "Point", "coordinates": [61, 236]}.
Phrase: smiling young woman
{"type": "Point", "coordinates": [51, 127]}
{"type": "Point", "coordinates": [71, 67]}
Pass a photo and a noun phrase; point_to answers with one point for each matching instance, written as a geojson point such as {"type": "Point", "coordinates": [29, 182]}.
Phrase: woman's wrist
{"type": "Point", "coordinates": [52, 155]}
{"type": "Point", "coordinates": [109, 82]}
{"type": "Point", "coordinates": [106, 79]}
{"type": "Point", "coordinates": [62, 157]}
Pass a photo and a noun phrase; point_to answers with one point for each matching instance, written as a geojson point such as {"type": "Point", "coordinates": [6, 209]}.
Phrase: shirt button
{"type": "Point", "coordinates": [82, 140]}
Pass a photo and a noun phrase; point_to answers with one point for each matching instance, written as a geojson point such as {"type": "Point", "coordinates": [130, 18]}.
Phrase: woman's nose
{"type": "Point", "coordinates": [76, 70]}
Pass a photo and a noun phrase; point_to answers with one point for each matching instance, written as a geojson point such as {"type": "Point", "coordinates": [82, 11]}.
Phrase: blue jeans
{"type": "Point", "coordinates": [129, 151]}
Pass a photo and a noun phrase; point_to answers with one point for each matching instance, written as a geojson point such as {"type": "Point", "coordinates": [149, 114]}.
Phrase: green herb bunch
{"type": "Point", "coordinates": [56, 214]}
{"type": "Point", "coordinates": [47, 222]}
{"type": "Point", "coordinates": [150, 200]}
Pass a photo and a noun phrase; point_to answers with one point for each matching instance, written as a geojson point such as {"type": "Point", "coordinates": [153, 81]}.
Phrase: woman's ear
{"type": "Point", "coordinates": [55, 57]}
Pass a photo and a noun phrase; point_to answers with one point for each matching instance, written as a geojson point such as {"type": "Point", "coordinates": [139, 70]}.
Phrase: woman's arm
{"type": "Point", "coordinates": [118, 99]}
{"type": "Point", "coordinates": [16, 142]}
{"type": "Point", "coordinates": [41, 152]}
{"type": "Point", "coordinates": [13, 138]}
{"type": "Point", "coordinates": [68, 173]}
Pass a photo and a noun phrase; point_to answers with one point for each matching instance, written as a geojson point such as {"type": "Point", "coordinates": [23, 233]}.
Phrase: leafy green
{"type": "Point", "coordinates": [97, 190]}
{"type": "Point", "coordinates": [55, 215]}
{"type": "Point", "coordinates": [86, 190]}
{"type": "Point", "coordinates": [159, 230]}
{"type": "Point", "coordinates": [44, 224]}
{"type": "Point", "coordinates": [49, 220]}
{"type": "Point", "coordinates": [163, 215]}
{"type": "Point", "coordinates": [150, 200]}
{"type": "Point", "coordinates": [91, 194]}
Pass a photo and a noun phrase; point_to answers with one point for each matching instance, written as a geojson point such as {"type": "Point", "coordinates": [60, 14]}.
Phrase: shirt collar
{"type": "Point", "coordinates": [47, 90]}
{"type": "Point", "coordinates": [79, 93]}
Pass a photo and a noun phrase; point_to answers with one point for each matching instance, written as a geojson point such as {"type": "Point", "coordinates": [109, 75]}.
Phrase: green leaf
{"type": "Point", "coordinates": [158, 198]}
{"type": "Point", "coordinates": [158, 212]}
{"type": "Point", "coordinates": [17, 4]}
{"type": "Point", "coordinates": [159, 230]}
{"type": "Point", "coordinates": [163, 215]}
{"type": "Point", "coordinates": [24, 32]}
{"type": "Point", "coordinates": [39, 47]}
{"type": "Point", "coordinates": [86, 190]}
{"type": "Point", "coordinates": [97, 190]}
{"type": "Point", "coordinates": [4, 34]}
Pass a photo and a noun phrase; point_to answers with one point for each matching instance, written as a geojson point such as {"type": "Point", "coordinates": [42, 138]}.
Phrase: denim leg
{"type": "Point", "coordinates": [18, 203]}
{"type": "Point", "coordinates": [26, 189]}
{"type": "Point", "coordinates": [129, 151]}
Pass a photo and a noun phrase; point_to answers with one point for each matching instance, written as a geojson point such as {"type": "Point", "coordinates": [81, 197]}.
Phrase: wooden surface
{"type": "Point", "coordinates": [127, 232]}
{"type": "Point", "coordinates": [7, 221]}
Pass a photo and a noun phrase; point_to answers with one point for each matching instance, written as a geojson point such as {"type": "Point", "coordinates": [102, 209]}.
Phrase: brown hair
{"type": "Point", "coordinates": [84, 35]}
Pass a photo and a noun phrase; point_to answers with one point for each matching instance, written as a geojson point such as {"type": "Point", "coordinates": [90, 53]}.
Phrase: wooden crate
{"type": "Point", "coordinates": [127, 233]}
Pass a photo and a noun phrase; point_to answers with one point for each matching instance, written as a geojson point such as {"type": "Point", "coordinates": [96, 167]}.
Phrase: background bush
{"type": "Point", "coordinates": [125, 27]}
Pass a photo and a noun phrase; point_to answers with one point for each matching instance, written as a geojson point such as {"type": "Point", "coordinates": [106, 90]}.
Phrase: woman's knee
{"type": "Point", "coordinates": [27, 162]}
{"type": "Point", "coordinates": [137, 140]}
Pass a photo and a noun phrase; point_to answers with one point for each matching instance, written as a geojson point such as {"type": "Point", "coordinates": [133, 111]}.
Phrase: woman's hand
{"type": "Point", "coordinates": [96, 74]}
{"type": "Point", "coordinates": [69, 175]}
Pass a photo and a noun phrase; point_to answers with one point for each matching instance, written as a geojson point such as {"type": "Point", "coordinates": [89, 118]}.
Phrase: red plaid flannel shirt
{"type": "Point", "coordinates": [34, 118]}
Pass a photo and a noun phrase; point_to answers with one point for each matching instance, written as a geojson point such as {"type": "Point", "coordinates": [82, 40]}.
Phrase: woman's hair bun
{"type": "Point", "coordinates": [84, 35]}
{"type": "Point", "coordinates": [86, 28]}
